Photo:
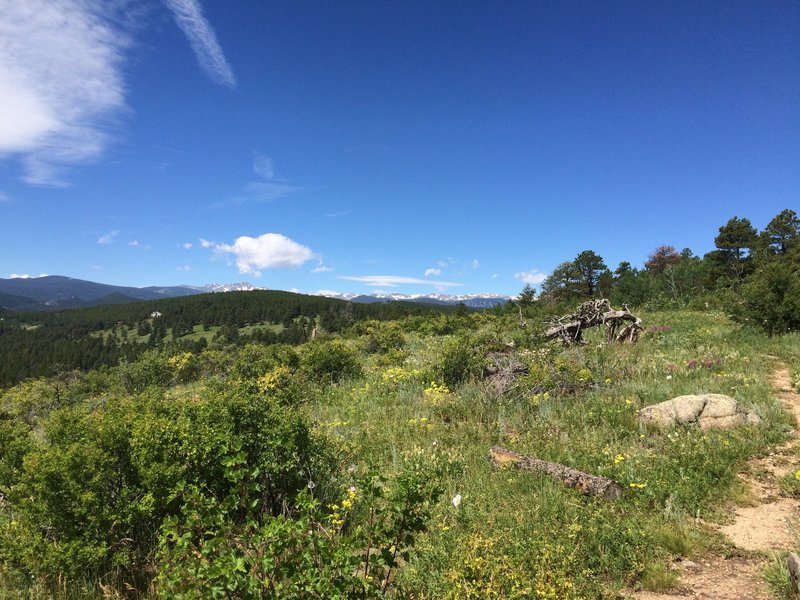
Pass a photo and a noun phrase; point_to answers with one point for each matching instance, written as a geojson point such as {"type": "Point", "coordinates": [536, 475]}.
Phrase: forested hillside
{"type": "Point", "coordinates": [35, 344]}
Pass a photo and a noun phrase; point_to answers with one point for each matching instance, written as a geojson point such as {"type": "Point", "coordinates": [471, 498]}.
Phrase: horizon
{"type": "Point", "coordinates": [320, 292]}
{"type": "Point", "coordinates": [414, 149]}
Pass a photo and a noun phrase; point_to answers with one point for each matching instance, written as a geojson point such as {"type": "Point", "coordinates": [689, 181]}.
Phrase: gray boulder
{"type": "Point", "coordinates": [709, 411]}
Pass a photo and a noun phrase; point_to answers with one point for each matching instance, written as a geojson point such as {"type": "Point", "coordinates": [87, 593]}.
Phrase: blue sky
{"type": "Point", "coordinates": [413, 147]}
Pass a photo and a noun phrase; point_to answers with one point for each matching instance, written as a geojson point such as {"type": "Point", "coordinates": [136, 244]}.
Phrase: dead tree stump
{"type": "Point", "coordinates": [591, 485]}
{"type": "Point", "coordinates": [621, 325]}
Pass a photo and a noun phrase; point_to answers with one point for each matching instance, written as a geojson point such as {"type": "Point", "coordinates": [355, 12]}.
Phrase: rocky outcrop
{"type": "Point", "coordinates": [709, 411]}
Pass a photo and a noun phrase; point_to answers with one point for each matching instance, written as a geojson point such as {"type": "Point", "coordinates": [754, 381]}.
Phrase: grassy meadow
{"type": "Point", "coordinates": [417, 388]}
{"type": "Point", "coordinates": [517, 534]}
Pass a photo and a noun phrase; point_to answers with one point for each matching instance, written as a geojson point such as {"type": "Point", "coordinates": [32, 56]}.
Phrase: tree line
{"type": "Point", "coordinates": [753, 275]}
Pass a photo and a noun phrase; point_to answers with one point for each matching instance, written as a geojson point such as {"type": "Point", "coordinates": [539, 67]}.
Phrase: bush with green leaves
{"type": "Point", "coordinates": [459, 361]}
{"type": "Point", "coordinates": [329, 361]}
{"type": "Point", "coordinates": [89, 495]}
{"type": "Point", "coordinates": [772, 294]}
{"type": "Point", "coordinates": [381, 337]}
{"type": "Point", "coordinates": [222, 547]}
{"type": "Point", "coordinates": [150, 369]}
{"type": "Point", "coordinates": [253, 360]}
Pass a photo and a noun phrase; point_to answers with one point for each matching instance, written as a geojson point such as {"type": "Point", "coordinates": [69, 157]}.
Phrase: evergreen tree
{"type": "Point", "coordinates": [589, 268]}
{"type": "Point", "coordinates": [736, 239]}
{"type": "Point", "coordinates": [527, 295]}
{"type": "Point", "coordinates": [782, 232]}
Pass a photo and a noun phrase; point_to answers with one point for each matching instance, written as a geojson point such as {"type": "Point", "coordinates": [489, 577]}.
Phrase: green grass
{"type": "Point", "coordinates": [517, 534]}
{"type": "Point", "coordinates": [536, 531]}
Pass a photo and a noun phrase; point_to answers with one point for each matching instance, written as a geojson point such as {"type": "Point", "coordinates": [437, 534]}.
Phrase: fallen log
{"type": "Point", "coordinates": [591, 485]}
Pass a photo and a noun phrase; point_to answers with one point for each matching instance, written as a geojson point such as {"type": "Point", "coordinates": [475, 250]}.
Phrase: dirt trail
{"type": "Point", "coordinates": [765, 525]}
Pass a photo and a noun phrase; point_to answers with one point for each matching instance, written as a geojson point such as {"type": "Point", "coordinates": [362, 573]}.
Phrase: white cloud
{"type": "Point", "coordinates": [204, 243]}
{"type": "Point", "coordinates": [322, 269]}
{"type": "Point", "coordinates": [184, 268]}
{"type": "Point", "coordinates": [267, 251]}
{"type": "Point", "coordinates": [187, 245]}
{"type": "Point", "coordinates": [532, 277]}
{"type": "Point", "coordinates": [62, 88]}
{"type": "Point", "coordinates": [26, 276]}
{"type": "Point", "coordinates": [108, 238]}
{"type": "Point", "coordinates": [189, 17]}
{"type": "Point", "coordinates": [395, 280]}
{"type": "Point", "coordinates": [475, 263]}
{"type": "Point", "coordinates": [262, 165]}
{"type": "Point", "coordinates": [429, 272]}
{"type": "Point", "coordinates": [138, 244]}
{"type": "Point", "coordinates": [61, 82]}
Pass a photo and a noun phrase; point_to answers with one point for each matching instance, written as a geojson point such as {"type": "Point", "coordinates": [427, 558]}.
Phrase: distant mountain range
{"type": "Point", "coordinates": [54, 292]}
{"type": "Point", "coordinates": [471, 300]}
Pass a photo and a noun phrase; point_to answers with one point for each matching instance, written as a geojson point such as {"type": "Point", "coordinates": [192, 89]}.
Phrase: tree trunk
{"type": "Point", "coordinates": [583, 482]}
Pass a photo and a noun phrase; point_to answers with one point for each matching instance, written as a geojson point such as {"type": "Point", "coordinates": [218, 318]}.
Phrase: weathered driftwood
{"type": "Point", "coordinates": [621, 325]}
{"type": "Point", "coordinates": [584, 482]}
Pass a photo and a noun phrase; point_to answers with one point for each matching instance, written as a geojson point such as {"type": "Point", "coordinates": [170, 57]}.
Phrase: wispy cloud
{"type": "Point", "coordinates": [396, 280]}
{"type": "Point", "coordinates": [184, 268]}
{"type": "Point", "coordinates": [532, 277]}
{"type": "Point", "coordinates": [205, 243]}
{"type": "Point", "coordinates": [322, 269]}
{"type": "Point", "coordinates": [4, 198]}
{"type": "Point", "coordinates": [108, 238]}
{"type": "Point", "coordinates": [25, 276]}
{"type": "Point", "coordinates": [189, 17]}
{"type": "Point", "coordinates": [267, 251]}
{"type": "Point", "coordinates": [268, 187]}
{"type": "Point", "coordinates": [436, 272]}
{"type": "Point", "coordinates": [336, 215]}
{"type": "Point", "coordinates": [475, 263]}
{"type": "Point", "coordinates": [262, 165]}
{"type": "Point", "coordinates": [139, 245]}
{"type": "Point", "coordinates": [266, 191]}
{"type": "Point", "coordinates": [61, 84]}
{"type": "Point", "coordinates": [187, 245]}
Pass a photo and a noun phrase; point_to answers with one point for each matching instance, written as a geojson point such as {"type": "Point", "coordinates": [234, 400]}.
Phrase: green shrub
{"type": "Point", "coordinates": [349, 548]}
{"type": "Point", "coordinates": [328, 361]}
{"type": "Point", "coordinates": [459, 361]}
{"type": "Point", "coordinates": [382, 337]}
{"type": "Point", "coordinates": [253, 360]}
{"type": "Point", "coordinates": [91, 496]}
{"type": "Point", "coordinates": [150, 369]}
